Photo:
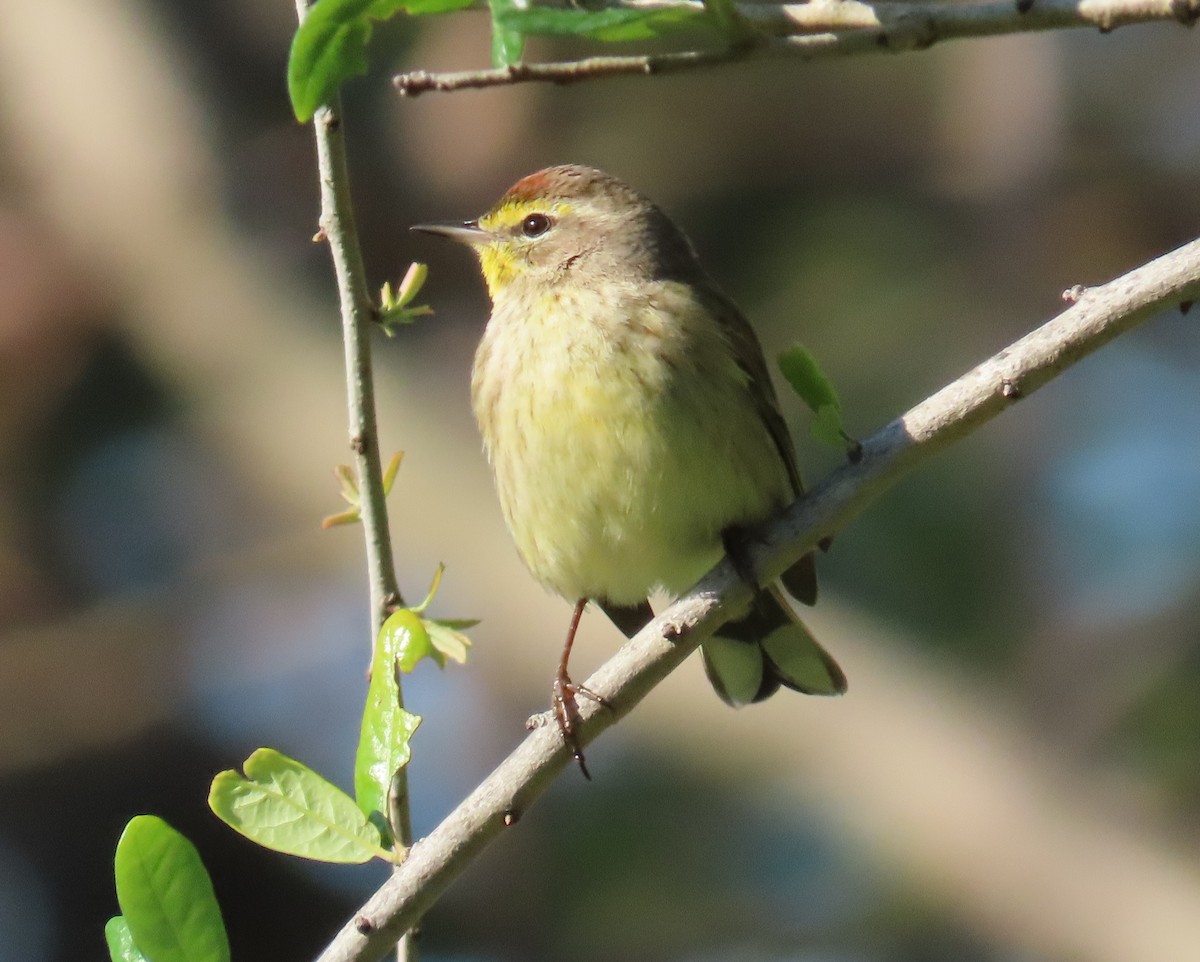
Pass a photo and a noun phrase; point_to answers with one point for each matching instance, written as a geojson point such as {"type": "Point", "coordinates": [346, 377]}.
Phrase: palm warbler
{"type": "Point", "coordinates": [631, 424]}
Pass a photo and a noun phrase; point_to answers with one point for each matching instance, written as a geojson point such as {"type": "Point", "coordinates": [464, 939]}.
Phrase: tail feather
{"type": "Point", "coordinates": [801, 580]}
{"type": "Point", "coordinates": [768, 647]}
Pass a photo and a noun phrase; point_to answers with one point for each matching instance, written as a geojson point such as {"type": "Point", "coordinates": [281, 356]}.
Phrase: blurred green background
{"type": "Point", "coordinates": [1015, 773]}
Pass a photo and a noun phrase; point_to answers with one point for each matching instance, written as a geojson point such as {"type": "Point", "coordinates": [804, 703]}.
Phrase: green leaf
{"type": "Point", "coordinates": [394, 306]}
{"type": "Point", "coordinates": [286, 806]}
{"type": "Point", "coordinates": [404, 636]}
{"type": "Point", "coordinates": [166, 897]}
{"type": "Point", "coordinates": [330, 45]}
{"type": "Point", "coordinates": [348, 482]}
{"type": "Point", "coordinates": [442, 637]}
{"type": "Point", "coordinates": [120, 941]}
{"type": "Point", "coordinates": [508, 41]}
{"type": "Point", "coordinates": [448, 641]}
{"type": "Point", "coordinates": [383, 743]}
{"type": "Point", "coordinates": [433, 587]}
{"type": "Point", "coordinates": [827, 426]}
{"type": "Point", "coordinates": [817, 391]}
{"type": "Point", "coordinates": [609, 25]}
{"type": "Point", "coordinates": [390, 470]}
{"type": "Point", "coordinates": [456, 624]}
{"type": "Point", "coordinates": [732, 24]}
{"type": "Point", "coordinates": [806, 378]}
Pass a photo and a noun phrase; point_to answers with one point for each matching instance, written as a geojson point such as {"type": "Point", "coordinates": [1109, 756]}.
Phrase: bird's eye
{"type": "Point", "coordinates": [535, 225]}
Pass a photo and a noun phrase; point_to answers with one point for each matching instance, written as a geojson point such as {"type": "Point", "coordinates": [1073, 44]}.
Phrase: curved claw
{"type": "Point", "coordinates": [566, 714]}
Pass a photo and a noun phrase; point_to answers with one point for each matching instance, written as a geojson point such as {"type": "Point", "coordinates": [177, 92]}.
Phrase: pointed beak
{"type": "Point", "coordinates": [467, 233]}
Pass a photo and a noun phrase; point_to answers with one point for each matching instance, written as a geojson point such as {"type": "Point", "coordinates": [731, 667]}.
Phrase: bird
{"type": "Point", "coordinates": [633, 432]}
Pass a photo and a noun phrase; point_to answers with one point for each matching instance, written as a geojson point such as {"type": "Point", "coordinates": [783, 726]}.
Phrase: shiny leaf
{"type": "Point", "coordinates": [405, 637]}
{"type": "Point", "coordinates": [286, 806]}
{"type": "Point", "coordinates": [383, 743]}
{"type": "Point", "coordinates": [330, 45]}
{"type": "Point", "coordinates": [166, 896]}
{"type": "Point", "coordinates": [508, 41]}
{"type": "Point", "coordinates": [120, 941]}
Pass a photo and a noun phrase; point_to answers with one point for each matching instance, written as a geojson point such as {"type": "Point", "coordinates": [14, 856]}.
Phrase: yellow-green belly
{"type": "Point", "coordinates": [622, 442]}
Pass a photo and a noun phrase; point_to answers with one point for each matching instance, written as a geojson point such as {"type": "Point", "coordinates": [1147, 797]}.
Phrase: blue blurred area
{"type": "Point", "coordinates": [141, 508]}
{"type": "Point", "coordinates": [26, 905]}
{"type": "Point", "coordinates": [1120, 489]}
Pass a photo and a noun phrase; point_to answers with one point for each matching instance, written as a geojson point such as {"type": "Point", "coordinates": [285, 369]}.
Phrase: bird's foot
{"type": "Point", "coordinates": [566, 713]}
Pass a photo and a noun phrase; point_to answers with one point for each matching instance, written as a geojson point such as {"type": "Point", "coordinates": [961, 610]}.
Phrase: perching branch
{"type": "Point", "coordinates": [1096, 316]}
{"type": "Point", "coordinates": [832, 28]}
{"type": "Point", "coordinates": [357, 310]}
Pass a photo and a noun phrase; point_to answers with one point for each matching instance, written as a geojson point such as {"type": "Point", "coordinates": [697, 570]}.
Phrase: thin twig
{"type": "Point", "coordinates": [357, 309]}
{"type": "Point", "coordinates": [831, 28]}
{"type": "Point", "coordinates": [337, 228]}
{"type": "Point", "coordinates": [1096, 317]}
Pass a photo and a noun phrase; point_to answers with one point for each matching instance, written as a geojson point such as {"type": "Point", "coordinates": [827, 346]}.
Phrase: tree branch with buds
{"type": "Point", "coordinates": [824, 29]}
{"type": "Point", "coordinates": [1095, 317]}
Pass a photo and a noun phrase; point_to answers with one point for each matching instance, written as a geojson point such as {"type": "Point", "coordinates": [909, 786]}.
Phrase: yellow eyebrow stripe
{"type": "Point", "coordinates": [511, 213]}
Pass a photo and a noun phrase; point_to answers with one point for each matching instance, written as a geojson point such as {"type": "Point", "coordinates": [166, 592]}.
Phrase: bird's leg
{"type": "Point", "coordinates": [736, 540]}
{"type": "Point", "coordinates": [566, 708]}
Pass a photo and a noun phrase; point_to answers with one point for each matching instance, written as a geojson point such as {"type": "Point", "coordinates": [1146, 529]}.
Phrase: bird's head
{"type": "Point", "coordinates": [576, 224]}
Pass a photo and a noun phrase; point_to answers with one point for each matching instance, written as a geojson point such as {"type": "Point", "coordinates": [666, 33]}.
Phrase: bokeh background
{"type": "Point", "coordinates": [1015, 773]}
